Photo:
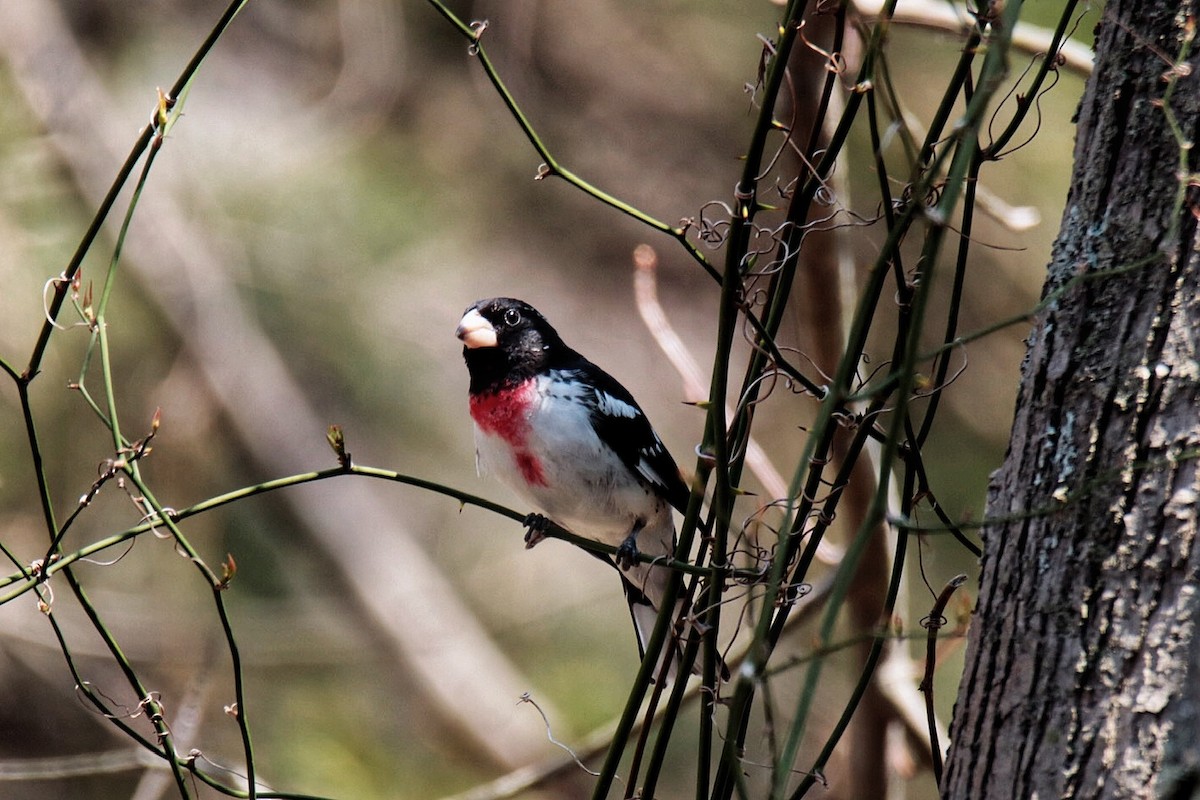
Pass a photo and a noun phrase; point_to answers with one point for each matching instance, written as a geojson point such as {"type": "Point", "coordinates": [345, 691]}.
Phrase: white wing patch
{"type": "Point", "coordinates": [614, 407]}
{"type": "Point", "coordinates": [644, 467]}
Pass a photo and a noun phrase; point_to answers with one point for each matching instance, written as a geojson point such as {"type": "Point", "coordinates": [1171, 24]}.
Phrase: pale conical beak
{"type": "Point", "coordinates": [475, 331]}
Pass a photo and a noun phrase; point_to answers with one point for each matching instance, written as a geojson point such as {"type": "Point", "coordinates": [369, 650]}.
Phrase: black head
{"type": "Point", "coordinates": [506, 341]}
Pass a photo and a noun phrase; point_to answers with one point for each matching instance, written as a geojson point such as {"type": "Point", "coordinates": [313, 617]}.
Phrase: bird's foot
{"type": "Point", "coordinates": [627, 553]}
{"type": "Point", "coordinates": [536, 526]}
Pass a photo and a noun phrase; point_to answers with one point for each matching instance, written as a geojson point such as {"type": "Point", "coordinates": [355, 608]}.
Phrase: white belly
{"type": "Point", "coordinates": [565, 472]}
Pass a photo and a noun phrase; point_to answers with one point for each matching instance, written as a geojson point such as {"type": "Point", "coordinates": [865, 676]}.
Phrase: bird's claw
{"type": "Point", "coordinates": [536, 526]}
{"type": "Point", "coordinates": [627, 553]}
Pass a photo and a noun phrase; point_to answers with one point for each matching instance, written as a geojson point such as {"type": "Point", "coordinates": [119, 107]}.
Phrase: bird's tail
{"type": "Point", "coordinates": [645, 587]}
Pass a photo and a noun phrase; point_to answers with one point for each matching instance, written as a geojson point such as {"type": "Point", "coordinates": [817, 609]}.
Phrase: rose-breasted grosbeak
{"type": "Point", "coordinates": [571, 441]}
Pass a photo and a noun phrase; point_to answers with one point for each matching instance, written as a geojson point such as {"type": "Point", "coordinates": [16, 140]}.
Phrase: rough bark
{"type": "Point", "coordinates": [1080, 678]}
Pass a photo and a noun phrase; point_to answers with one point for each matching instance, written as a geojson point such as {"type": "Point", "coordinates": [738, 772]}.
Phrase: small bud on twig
{"type": "Point", "coordinates": [337, 440]}
{"type": "Point", "coordinates": [228, 571]}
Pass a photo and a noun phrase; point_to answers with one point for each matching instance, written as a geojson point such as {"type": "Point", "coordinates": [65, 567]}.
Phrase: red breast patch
{"type": "Point", "coordinates": [505, 414]}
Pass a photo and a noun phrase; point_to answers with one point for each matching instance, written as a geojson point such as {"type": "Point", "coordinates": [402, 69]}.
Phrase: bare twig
{"type": "Point", "coordinates": [933, 623]}
{"type": "Point", "coordinates": [645, 293]}
{"type": "Point", "coordinates": [461, 670]}
{"type": "Point", "coordinates": [528, 698]}
{"type": "Point", "coordinates": [596, 742]}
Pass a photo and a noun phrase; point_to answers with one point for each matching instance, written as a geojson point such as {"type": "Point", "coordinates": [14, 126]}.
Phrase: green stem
{"type": "Point", "coordinates": [964, 151]}
{"type": "Point", "coordinates": [214, 503]}
{"type": "Point", "coordinates": [147, 700]}
{"type": "Point", "coordinates": [662, 625]}
{"type": "Point", "coordinates": [878, 640]}
{"type": "Point", "coordinates": [63, 284]}
{"type": "Point", "coordinates": [956, 293]}
{"type": "Point", "coordinates": [1026, 100]}
{"type": "Point", "coordinates": [39, 466]}
{"type": "Point", "coordinates": [217, 586]}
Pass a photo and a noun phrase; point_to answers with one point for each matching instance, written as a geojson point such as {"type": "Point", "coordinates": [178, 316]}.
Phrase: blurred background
{"type": "Point", "coordinates": [342, 184]}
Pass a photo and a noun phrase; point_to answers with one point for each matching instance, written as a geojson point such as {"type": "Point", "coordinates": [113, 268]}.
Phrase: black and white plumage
{"type": "Point", "coordinates": [573, 443]}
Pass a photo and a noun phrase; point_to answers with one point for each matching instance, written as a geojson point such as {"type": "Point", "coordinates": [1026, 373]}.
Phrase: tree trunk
{"type": "Point", "coordinates": [1082, 676]}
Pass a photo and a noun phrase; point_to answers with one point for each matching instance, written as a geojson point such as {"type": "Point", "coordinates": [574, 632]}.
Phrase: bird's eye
{"type": "Point", "coordinates": [512, 316]}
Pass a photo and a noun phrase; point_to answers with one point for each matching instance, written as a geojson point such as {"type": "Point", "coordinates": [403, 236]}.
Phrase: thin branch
{"type": "Point", "coordinates": [939, 15]}
{"type": "Point", "coordinates": [143, 141]}
{"type": "Point", "coordinates": [522, 780]}
{"type": "Point", "coordinates": [933, 623]}
{"type": "Point", "coordinates": [551, 167]}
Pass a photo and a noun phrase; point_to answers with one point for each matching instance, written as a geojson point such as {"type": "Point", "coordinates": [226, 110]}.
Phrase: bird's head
{"type": "Point", "coordinates": [505, 341]}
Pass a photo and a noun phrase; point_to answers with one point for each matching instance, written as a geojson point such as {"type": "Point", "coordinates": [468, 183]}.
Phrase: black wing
{"type": "Point", "coordinates": [620, 422]}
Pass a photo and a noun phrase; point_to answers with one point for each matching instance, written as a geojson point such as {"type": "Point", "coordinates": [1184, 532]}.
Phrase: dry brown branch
{"type": "Point", "coordinates": [124, 759]}
{"type": "Point", "coordinates": [695, 388]}
{"type": "Point", "coordinates": [941, 16]}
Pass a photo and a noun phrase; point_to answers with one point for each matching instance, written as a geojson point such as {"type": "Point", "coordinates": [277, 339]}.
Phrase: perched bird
{"type": "Point", "coordinates": [573, 443]}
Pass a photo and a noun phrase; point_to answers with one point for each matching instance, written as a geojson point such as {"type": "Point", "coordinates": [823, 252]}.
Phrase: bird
{"type": "Point", "coordinates": [572, 442]}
